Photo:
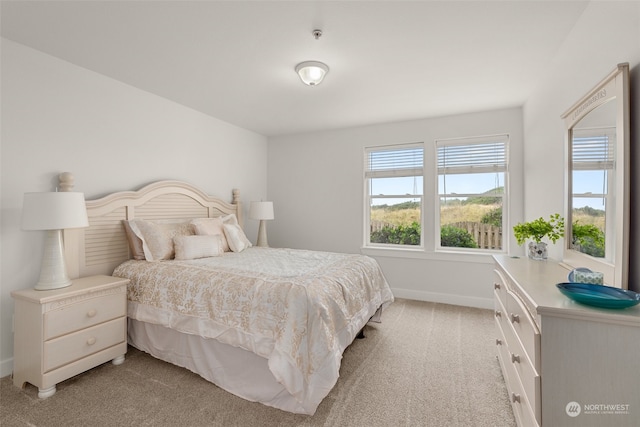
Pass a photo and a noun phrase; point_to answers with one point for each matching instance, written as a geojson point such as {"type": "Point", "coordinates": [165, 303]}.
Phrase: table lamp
{"type": "Point", "coordinates": [261, 211]}
{"type": "Point", "coordinates": [53, 212]}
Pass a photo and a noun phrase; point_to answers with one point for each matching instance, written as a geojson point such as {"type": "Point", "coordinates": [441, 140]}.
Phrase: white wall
{"type": "Point", "coordinates": [316, 184]}
{"type": "Point", "coordinates": [607, 33]}
{"type": "Point", "coordinates": [58, 117]}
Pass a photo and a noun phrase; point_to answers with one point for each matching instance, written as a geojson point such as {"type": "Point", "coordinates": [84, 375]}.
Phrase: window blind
{"type": "Point", "coordinates": [395, 162]}
{"type": "Point", "coordinates": [594, 152]}
{"type": "Point", "coordinates": [472, 157]}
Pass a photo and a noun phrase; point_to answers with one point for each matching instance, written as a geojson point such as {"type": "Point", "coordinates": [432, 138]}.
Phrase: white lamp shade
{"type": "Point", "coordinates": [312, 72]}
{"type": "Point", "coordinates": [261, 210]}
{"type": "Point", "coordinates": [54, 211]}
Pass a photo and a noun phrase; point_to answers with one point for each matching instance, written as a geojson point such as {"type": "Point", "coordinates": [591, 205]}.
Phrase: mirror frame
{"type": "Point", "coordinates": [615, 85]}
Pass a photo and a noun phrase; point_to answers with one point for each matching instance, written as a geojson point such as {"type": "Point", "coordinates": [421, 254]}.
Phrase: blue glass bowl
{"type": "Point", "coordinates": [599, 295]}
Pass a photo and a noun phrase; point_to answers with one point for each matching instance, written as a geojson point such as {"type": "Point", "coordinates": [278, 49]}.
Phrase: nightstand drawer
{"type": "Point", "coordinates": [83, 314]}
{"type": "Point", "coordinates": [66, 349]}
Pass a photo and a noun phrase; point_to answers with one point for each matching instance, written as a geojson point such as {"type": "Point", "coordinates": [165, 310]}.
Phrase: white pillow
{"type": "Point", "coordinates": [157, 236]}
{"type": "Point", "coordinates": [236, 237]}
{"type": "Point", "coordinates": [193, 247]}
{"type": "Point", "coordinates": [210, 227]}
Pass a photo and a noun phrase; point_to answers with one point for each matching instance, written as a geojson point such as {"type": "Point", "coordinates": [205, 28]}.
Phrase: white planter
{"type": "Point", "coordinates": [538, 251]}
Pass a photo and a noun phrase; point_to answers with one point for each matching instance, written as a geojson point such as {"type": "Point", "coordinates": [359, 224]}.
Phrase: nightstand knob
{"type": "Point", "coordinates": [515, 397]}
{"type": "Point", "coordinates": [91, 312]}
{"type": "Point", "coordinates": [515, 318]}
{"type": "Point", "coordinates": [515, 358]}
{"type": "Point", "coordinates": [91, 341]}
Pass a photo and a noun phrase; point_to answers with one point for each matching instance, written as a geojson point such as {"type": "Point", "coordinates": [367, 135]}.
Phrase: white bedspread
{"type": "Point", "coordinates": [295, 308]}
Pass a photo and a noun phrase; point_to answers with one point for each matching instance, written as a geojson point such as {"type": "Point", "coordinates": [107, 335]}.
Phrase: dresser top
{"type": "Point", "coordinates": [78, 287]}
{"type": "Point", "coordinates": [537, 284]}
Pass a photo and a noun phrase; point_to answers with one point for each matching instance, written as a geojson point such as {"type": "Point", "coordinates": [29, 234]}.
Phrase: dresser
{"type": "Point", "coordinates": [63, 332]}
{"type": "Point", "coordinates": [564, 363]}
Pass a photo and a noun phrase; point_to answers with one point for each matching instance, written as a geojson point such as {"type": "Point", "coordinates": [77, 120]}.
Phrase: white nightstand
{"type": "Point", "coordinates": [63, 332]}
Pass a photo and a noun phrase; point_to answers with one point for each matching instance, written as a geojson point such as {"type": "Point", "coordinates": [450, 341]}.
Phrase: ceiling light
{"type": "Point", "coordinates": [312, 72]}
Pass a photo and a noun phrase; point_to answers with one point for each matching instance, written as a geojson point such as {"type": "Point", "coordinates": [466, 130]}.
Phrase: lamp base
{"type": "Point", "coordinates": [53, 273]}
{"type": "Point", "coordinates": [262, 234]}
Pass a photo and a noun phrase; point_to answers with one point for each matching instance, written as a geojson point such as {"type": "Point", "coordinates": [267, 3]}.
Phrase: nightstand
{"type": "Point", "coordinates": [64, 332]}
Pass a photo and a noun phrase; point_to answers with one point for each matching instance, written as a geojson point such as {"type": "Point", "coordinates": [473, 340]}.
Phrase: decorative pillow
{"type": "Point", "coordinates": [157, 236]}
{"type": "Point", "coordinates": [236, 237]}
{"type": "Point", "coordinates": [230, 219]}
{"type": "Point", "coordinates": [193, 247]}
{"type": "Point", "coordinates": [211, 227]}
{"type": "Point", "coordinates": [135, 243]}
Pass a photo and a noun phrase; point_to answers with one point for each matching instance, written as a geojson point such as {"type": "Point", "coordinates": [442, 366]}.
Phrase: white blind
{"type": "Point", "coordinates": [394, 162]}
{"type": "Point", "coordinates": [472, 157]}
{"type": "Point", "coordinates": [593, 152]}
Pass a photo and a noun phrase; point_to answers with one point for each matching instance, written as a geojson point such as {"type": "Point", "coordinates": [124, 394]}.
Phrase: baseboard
{"type": "Point", "coordinates": [443, 298]}
{"type": "Point", "coordinates": [6, 367]}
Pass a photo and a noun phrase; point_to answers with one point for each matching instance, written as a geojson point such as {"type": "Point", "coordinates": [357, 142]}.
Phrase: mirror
{"type": "Point", "coordinates": [597, 180]}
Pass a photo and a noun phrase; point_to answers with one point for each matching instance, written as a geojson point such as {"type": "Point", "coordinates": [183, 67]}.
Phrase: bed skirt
{"type": "Point", "coordinates": [233, 369]}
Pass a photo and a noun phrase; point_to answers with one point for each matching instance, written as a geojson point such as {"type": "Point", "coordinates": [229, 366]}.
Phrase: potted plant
{"type": "Point", "coordinates": [538, 229]}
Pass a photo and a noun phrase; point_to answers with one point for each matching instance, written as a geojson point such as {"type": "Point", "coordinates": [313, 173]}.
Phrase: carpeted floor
{"type": "Point", "coordinates": [427, 364]}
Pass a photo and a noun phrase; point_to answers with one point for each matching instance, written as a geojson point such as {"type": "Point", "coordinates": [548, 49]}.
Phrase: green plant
{"type": "Point", "coordinates": [399, 235]}
{"type": "Point", "coordinates": [539, 229]}
{"type": "Point", "coordinates": [455, 237]}
{"type": "Point", "coordinates": [589, 238]}
{"type": "Point", "coordinates": [493, 217]}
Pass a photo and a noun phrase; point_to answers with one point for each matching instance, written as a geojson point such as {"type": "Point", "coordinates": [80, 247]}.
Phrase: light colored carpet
{"type": "Point", "coordinates": [427, 364]}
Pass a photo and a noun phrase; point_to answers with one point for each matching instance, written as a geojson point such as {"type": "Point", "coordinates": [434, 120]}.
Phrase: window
{"type": "Point", "coordinates": [472, 192]}
{"type": "Point", "coordinates": [592, 183]}
{"type": "Point", "coordinates": [394, 195]}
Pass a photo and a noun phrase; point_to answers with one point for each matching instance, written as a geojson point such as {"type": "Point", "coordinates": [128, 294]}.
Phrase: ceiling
{"type": "Point", "coordinates": [234, 60]}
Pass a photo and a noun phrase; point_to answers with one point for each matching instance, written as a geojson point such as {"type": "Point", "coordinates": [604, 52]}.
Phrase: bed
{"type": "Point", "coordinates": [266, 324]}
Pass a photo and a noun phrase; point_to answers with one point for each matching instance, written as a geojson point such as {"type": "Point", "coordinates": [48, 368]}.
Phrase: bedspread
{"type": "Point", "coordinates": [298, 309]}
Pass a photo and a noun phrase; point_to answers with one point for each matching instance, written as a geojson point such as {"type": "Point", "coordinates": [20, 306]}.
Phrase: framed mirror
{"type": "Point", "coordinates": [597, 179]}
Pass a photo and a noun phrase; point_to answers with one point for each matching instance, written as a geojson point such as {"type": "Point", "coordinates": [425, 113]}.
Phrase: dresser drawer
{"type": "Point", "coordinates": [524, 369]}
{"type": "Point", "coordinates": [84, 313]}
{"type": "Point", "coordinates": [74, 346]}
{"type": "Point", "coordinates": [522, 410]}
{"type": "Point", "coordinates": [524, 327]}
{"type": "Point", "coordinates": [500, 285]}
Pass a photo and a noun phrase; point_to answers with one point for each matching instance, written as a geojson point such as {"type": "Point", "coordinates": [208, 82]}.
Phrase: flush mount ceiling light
{"type": "Point", "coordinates": [312, 72]}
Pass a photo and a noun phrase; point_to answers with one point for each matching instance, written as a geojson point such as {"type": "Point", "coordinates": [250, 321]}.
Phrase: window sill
{"type": "Point", "coordinates": [421, 253]}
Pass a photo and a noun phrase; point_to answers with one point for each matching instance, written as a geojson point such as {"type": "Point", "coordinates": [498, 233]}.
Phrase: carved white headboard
{"type": "Point", "coordinates": [102, 246]}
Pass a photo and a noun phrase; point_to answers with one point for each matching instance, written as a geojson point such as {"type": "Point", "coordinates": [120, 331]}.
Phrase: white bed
{"type": "Point", "coordinates": [269, 325]}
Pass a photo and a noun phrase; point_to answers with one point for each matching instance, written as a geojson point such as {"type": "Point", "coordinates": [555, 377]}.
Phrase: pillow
{"type": "Point", "coordinates": [236, 237]}
{"type": "Point", "coordinates": [211, 227]}
{"type": "Point", "coordinates": [193, 247]}
{"type": "Point", "coordinates": [135, 243]}
{"type": "Point", "coordinates": [157, 236]}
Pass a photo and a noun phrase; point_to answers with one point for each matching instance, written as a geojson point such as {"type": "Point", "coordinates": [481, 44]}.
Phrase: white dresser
{"type": "Point", "coordinates": [63, 332]}
{"type": "Point", "coordinates": [564, 363]}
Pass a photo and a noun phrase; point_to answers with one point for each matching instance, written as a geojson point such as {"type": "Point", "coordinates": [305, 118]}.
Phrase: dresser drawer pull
{"type": "Point", "coordinates": [91, 341]}
{"type": "Point", "coordinates": [498, 341]}
{"type": "Point", "coordinates": [496, 286]}
{"type": "Point", "coordinates": [515, 358]}
{"type": "Point", "coordinates": [515, 398]}
{"type": "Point", "coordinates": [92, 312]}
{"type": "Point", "coordinates": [498, 313]}
{"type": "Point", "coordinates": [515, 318]}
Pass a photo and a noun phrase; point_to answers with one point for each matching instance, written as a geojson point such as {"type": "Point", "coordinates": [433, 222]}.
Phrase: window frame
{"type": "Point", "coordinates": [390, 173]}
{"type": "Point", "coordinates": [482, 167]}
